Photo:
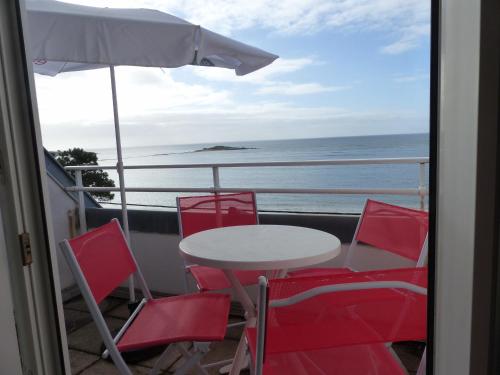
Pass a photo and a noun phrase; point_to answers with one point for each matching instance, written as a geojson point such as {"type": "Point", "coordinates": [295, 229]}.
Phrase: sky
{"type": "Point", "coordinates": [346, 68]}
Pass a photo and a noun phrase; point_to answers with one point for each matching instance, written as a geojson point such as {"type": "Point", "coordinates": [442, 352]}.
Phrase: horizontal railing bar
{"type": "Point", "coordinates": [416, 160]}
{"type": "Point", "coordinates": [407, 191]}
{"type": "Point", "coordinates": [267, 210]}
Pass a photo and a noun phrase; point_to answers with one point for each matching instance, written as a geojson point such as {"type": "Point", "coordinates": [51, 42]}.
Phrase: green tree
{"type": "Point", "coordinates": [95, 178]}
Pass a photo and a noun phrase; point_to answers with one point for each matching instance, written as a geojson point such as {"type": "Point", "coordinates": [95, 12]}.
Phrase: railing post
{"type": "Point", "coordinates": [81, 202]}
{"type": "Point", "coordinates": [421, 185]}
{"type": "Point", "coordinates": [216, 179]}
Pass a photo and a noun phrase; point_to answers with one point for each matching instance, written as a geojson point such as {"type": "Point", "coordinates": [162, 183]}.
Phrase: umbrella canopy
{"type": "Point", "coordinates": [66, 37]}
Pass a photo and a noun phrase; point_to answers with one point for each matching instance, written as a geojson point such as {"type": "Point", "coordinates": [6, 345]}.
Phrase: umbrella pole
{"type": "Point", "coordinates": [119, 167]}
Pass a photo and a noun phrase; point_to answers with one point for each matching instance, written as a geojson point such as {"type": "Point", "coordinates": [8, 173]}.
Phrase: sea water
{"type": "Point", "coordinates": [349, 176]}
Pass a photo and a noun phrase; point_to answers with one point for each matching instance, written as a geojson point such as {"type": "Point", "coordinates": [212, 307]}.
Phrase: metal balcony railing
{"type": "Point", "coordinates": [421, 190]}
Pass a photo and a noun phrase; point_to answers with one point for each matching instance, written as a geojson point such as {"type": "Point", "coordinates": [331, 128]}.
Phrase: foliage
{"type": "Point", "coordinates": [95, 178]}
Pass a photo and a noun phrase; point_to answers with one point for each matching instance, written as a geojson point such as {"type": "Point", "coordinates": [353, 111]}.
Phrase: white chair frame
{"type": "Point", "coordinates": [192, 356]}
{"type": "Point", "coordinates": [262, 306]}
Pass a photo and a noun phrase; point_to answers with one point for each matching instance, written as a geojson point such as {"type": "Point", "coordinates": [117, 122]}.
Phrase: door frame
{"type": "Point", "coordinates": [465, 262]}
{"type": "Point", "coordinates": [37, 303]}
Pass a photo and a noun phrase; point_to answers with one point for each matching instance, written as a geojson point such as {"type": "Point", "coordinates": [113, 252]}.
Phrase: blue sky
{"type": "Point", "coordinates": [346, 67]}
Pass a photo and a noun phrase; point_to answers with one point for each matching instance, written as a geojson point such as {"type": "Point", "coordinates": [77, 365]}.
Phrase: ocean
{"type": "Point", "coordinates": [362, 176]}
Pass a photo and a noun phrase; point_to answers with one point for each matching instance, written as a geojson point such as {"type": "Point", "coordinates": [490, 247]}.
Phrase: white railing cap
{"type": "Point", "coordinates": [303, 163]}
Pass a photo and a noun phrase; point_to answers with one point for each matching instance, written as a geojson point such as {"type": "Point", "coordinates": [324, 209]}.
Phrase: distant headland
{"type": "Point", "coordinates": [224, 148]}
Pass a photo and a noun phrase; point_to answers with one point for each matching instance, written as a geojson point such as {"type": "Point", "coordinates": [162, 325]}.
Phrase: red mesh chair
{"type": "Point", "coordinates": [383, 226]}
{"type": "Point", "coordinates": [101, 260]}
{"type": "Point", "coordinates": [338, 324]}
{"type": "Point", "coordinates": [201, 213]}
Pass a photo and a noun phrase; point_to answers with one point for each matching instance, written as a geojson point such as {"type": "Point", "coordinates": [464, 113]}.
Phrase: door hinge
{"type": "Point", "coordinates": [26, 248]}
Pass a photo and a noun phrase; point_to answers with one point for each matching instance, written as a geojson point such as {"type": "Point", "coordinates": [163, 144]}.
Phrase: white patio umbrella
{"type": "Point", "coordinates": [65, 38]}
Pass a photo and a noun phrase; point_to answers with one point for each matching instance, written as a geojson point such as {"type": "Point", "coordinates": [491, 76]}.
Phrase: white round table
{"type": "Point", "coordinates": [257, 247]}
{"type": "Point", "coordinates": [260, 247]}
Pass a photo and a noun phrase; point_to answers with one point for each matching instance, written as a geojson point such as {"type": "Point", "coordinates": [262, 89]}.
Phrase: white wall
{"type": "Point", "coordinates": [159, 260]}
{"type": "Point", "coordinates": [60, 204]}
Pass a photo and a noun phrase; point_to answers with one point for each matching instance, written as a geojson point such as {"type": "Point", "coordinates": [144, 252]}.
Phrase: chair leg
{"type": "Point", "coordinates": [193, 358]}
{"type": "Point", "coordinates": [204, 348]}
{"type": "Point", "coordinates": [239, 358]}
{"type": "Point", "coordinates": [219, 363]}
{"type": "Point", "coordinates": [190, 363]}
{"type": "Point", "coordinates": [389, 347]}
{"type": "Point", "coordinates": [421, 367]}
{"type": "Point", "coordinates": [237, 324]}
{"type": "Point", "coordinates": [156, 368]}
{"type": "Point", "coordinates": [186, 281]}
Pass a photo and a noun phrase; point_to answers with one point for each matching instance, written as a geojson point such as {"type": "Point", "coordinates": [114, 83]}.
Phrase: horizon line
{"type": "Point", "coordinates": [221, 143]}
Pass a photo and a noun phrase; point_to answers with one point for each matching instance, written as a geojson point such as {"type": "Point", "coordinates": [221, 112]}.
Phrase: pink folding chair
{"type": "Point", "coordinates": [399, 230]}
{"type": "Point", "coordinates": [101, 260]}
{"type": "Point", "coordinates": [338, 324]}
{"type": "Point", "coordinates": [201, 213]}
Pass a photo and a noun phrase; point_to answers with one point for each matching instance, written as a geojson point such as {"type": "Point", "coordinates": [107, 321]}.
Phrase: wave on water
{"type": "Point", "coordinates": [224, 148]}
{"type": "Point", "coordinates": [149, 155]}
{"type": "Point", "coordinates": [204, 149]}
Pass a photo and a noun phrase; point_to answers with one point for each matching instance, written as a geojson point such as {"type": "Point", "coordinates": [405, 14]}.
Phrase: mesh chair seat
{"type": "Point", "coordinates": [209, 279]}
{"type": "Point", "coordinates": [349, 360]}
{"type": "Point", "coordinates": [199, 317]}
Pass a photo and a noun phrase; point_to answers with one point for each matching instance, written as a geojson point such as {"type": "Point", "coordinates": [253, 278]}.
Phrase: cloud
{"type": "Point", "coordinates": [237, 123]}
{"type": "Point", "coordinates": [289, 88]}
{"type": "Point", "coordinates": [76, 110]}
{"type": "Point", "coordinates": [266, 78]}
{"type": "Point", "coordinates": [409, 40]}
{"type": "Point", "coordinates": [406, 22]}
{"type": "Point", "coordinates": [85, 97]}
{"type": "Point", "coordinates": [279, 67]}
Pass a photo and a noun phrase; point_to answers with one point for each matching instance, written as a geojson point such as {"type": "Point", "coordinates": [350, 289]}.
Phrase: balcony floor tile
{"type": "Point", "coordinates": [120, 312]}
{"type": "Point", "coordinates": [81, 360]}
{"type": "Point", "coordinates": [168, 362]}
{"type": "Point", "coordinates": [103, 367]}
{"type": "Point", "coordinates": [87, 338]}
{"type": "Point", "coordinates": [78, 303]}
{"type": "Point", "coordinates": [75, 319]}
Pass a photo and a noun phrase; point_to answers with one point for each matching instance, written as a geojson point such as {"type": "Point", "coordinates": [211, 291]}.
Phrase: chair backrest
{"type": "Point", "coordinates": [399, 230]}
{"type": "Point", "coordinates": [301, 314]}
{"type": "Point", "coordinates": [103, 257]}
{"type": "Point", "coordinates": [201, 213]}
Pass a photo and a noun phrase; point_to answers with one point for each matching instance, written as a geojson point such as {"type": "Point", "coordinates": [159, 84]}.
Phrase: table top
{"type": "Point", "coordinates": [259, 247]}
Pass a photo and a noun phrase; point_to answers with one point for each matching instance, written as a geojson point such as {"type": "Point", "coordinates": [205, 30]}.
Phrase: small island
{"type": "Point", "coordinates": [224, 148]}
